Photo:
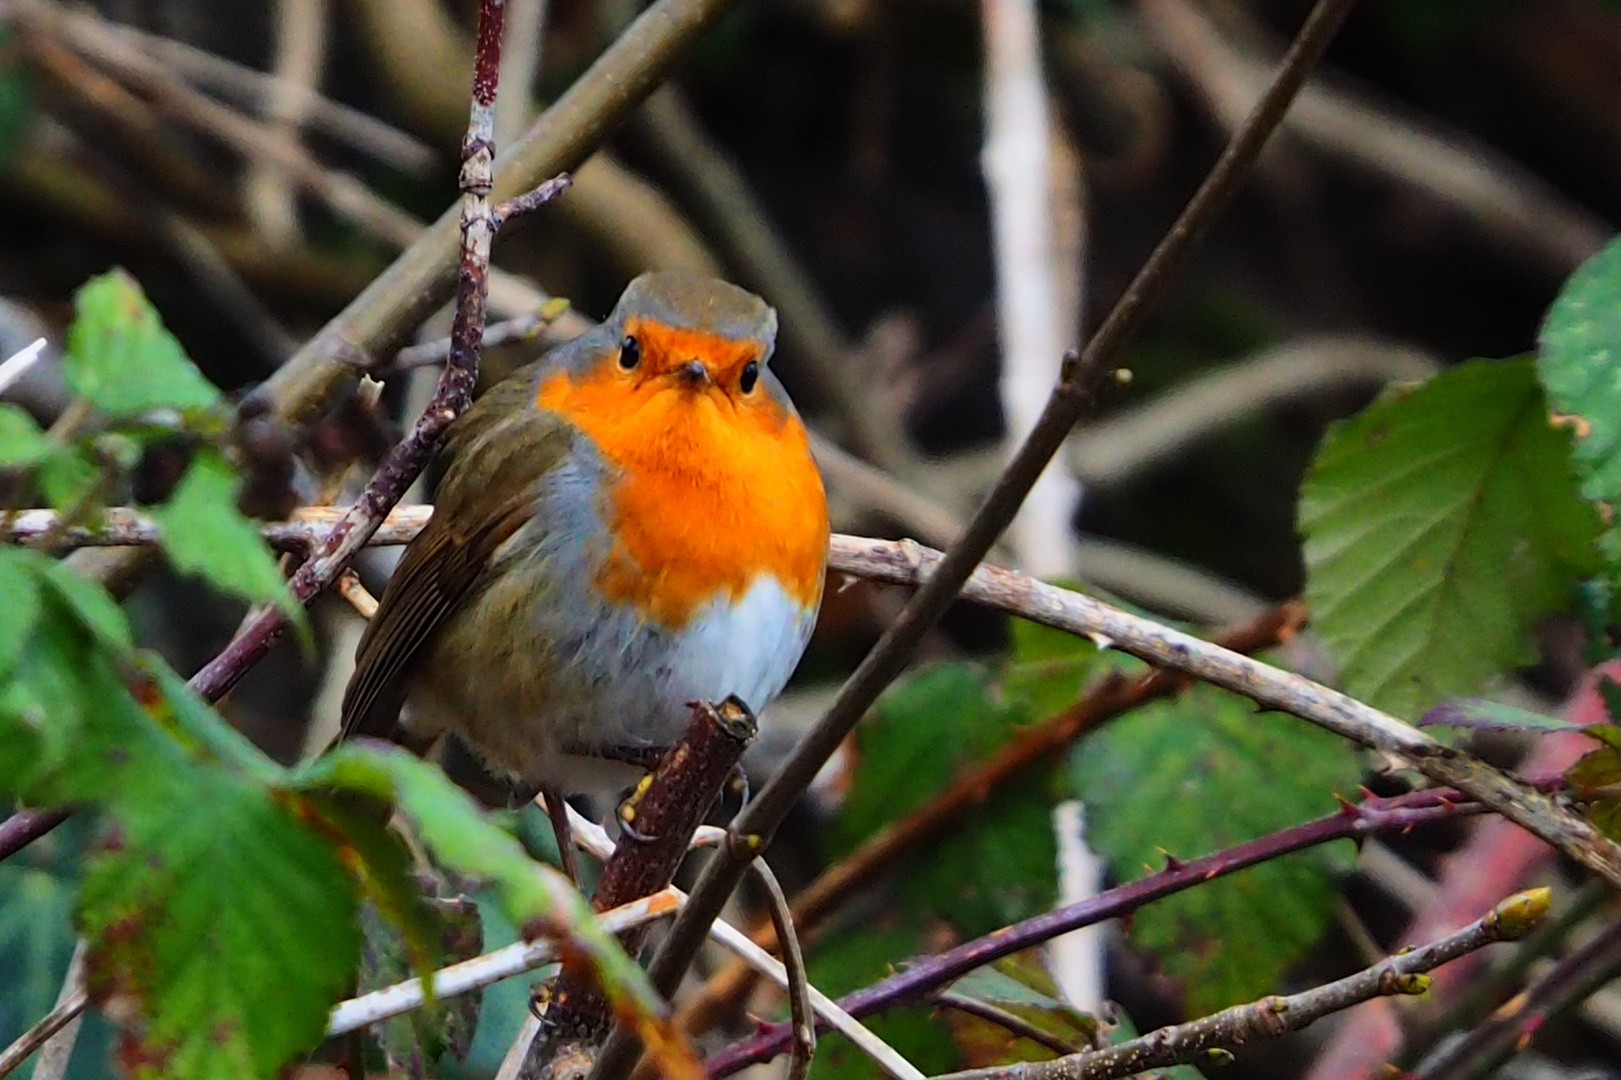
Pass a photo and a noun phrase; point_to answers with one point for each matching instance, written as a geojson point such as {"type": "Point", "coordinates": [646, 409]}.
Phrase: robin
{"type": "Point", "coordinates": [628, 525]}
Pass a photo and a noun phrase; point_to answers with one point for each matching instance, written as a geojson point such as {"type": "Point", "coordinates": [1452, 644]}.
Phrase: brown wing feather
{"type": "Point", "coordinates": [503, 443]}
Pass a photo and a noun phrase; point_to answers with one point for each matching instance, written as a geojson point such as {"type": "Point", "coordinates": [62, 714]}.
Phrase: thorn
{"type": "Point", "coordinates": [1172, 863]}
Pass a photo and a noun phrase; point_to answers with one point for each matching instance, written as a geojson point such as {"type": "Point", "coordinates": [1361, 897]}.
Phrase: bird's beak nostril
{"type": "Point", "coordinates": [693, 373]}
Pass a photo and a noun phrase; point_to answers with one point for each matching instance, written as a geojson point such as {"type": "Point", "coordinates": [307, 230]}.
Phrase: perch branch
{"type": "Point", "coordinates": [660, 821]}
{"type": "Point", "coordinates": [1273, 1016]}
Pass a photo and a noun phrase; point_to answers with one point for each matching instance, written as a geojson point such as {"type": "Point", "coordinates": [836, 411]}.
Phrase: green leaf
{"type": "Point", "coordinates": [464, 841]}
{"type": "Point", "coordinates": [121, 358]}
{"type": "Point", "coordinates": [1480, 714]}
{"type": "Point", "coordinates": [204, 533]}
{"type": "Point", "coordinates": [19, 586]}
{"type": "Point", "coordinates": [68, 476]}
{"type": "Point", "coordinates": [21, 440]}
{"type": "Point", "coordinates": [1579, 362]}
{"type": "Point", "coordinates": [1440, 524]}
{"type": "Point", "coordinates": [999, 866]}
{"type": "Point", "coordinates": [206, 736]}
{"type": "Point", "coordinates": [228, 922]}
{"type": "Point", "coordinates": [1019, 985]}
{"type": "Point", "coordinates": [90, 603]}
{"type": "Point", "coordinates": [1196, 774]}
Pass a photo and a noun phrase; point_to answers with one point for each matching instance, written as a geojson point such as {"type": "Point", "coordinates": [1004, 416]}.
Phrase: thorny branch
{"type": "Point", "coordinates": [1273, 1016]}
{"type": "Point", "coordinates": [1077, 387]}
{"type": "Point", "coordinates": [925, 974]}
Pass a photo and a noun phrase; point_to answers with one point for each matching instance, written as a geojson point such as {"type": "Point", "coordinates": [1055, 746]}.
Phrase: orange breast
{"type": "Point", "coordinates": [713, 491]}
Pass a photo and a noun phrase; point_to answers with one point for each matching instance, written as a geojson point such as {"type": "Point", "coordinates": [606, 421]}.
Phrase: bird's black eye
{"type": "Point", "coordinates": [630, 352]}
{"type": "Point", "coordinates": [750, 376]}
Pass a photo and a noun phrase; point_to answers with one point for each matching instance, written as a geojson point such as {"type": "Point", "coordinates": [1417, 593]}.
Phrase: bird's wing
{"type": "Point", "coordinates": [503, 443]}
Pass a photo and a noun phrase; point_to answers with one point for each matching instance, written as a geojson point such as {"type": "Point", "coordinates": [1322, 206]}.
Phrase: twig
{"type": "Point", "coordinates": [1121, 446]}
{"type": "Point", "coordinates": [592, 838]}
{"type": "Point", "coordinates": [801, 1012]}
{"type": "Point", "coordinates": [1495, 856]}
{"type": "Point", "coordinates": [1075, 391]}
{"type": "Point", "coordinates": [905, 563]}
{"type": "Point", "coordinates": [57, 1051]}
{"type": "Point", "coordinates": [345, 195]}
{"type": "Point", "coordinates": [395, 475]}
{"type": "Point", "coordinates": [660, 821]}
{"type": "Point", "coordinates": [1487, 1045]}
{"type": "Point", "coordinates": [1039, 742]}
{"type": "Point", "coordinates": [453, 395]}
{"type": "Point", "coordinates": [1017, 162]}
{"type": "Point", "coordinates": [36, 1036]}
{"type": "Point", "coordinates": [927, 973]}
{"type": "Point", "coordinates": [17, 364]}
{"type": "Point", "coordinates": [25, 826]}
{"type": "Point", "coordinates": [255, 89]}
{"type": "Point", "coordinates": [828, 1012]}
{"type": "Point", "coordinates": [1012, 1023]}
{"type": "Point", "coordinates": [492, 967]}
{"type": "Point", "coordinates": [525, 327]}
{"type": "Point", "coordinates": [520, 66]}
{"type": "Point", "coordinates": [1457, 172]}
{"type": "Point", "coordinates": [1345, 716]}
{"type": "Point", "coordinates": [564, 135]}
{"type": "Point", "coordinates": [1274, 1016]}
{"type": "Point", "coordinates": [300, 50]}
{"type": "Point", "coordinates": [62, 1021]}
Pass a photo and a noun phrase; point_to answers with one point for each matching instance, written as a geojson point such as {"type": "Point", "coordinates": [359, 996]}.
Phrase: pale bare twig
{"type": "Point", "coordinates": [36, 1036]}
{"type": "Point", "coordinates": [1443, 164]}
{"type": "Point", "coordinates": [802, 1012]}
{"type": "Point", "coordinates": [300, 50]}
{"type": "Point", "coordinates": [359, 597]}
{"type": "Point", "coordinates": [1274, 1016]}
{"type": "Point", "coordinates": [520, 67]}
{"type": "Point", "coordinates": [1114, 449]}
{"type": "Point", "coordinates": [594, 840]}
{"type": "Point", "coordinates": [490, 968]}
{"type": "Point", "coordinates": [1017, 160]}
{"type": "Point", "coordinates": [53, 1036]}
{"type": "Point", "coordinates": [255, 89]}
{"type": "Point", "coordinates": [54, 1056]}
{"type": "Point", "coordinates": [17, 364]}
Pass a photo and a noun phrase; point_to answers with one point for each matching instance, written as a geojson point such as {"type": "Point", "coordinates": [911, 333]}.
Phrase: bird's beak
{"type": "Point", "coordinates": [693, 373]}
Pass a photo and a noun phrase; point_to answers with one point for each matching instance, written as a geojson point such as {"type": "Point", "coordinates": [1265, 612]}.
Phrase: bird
{"type": "Point", "coordinates": [627, 526]}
